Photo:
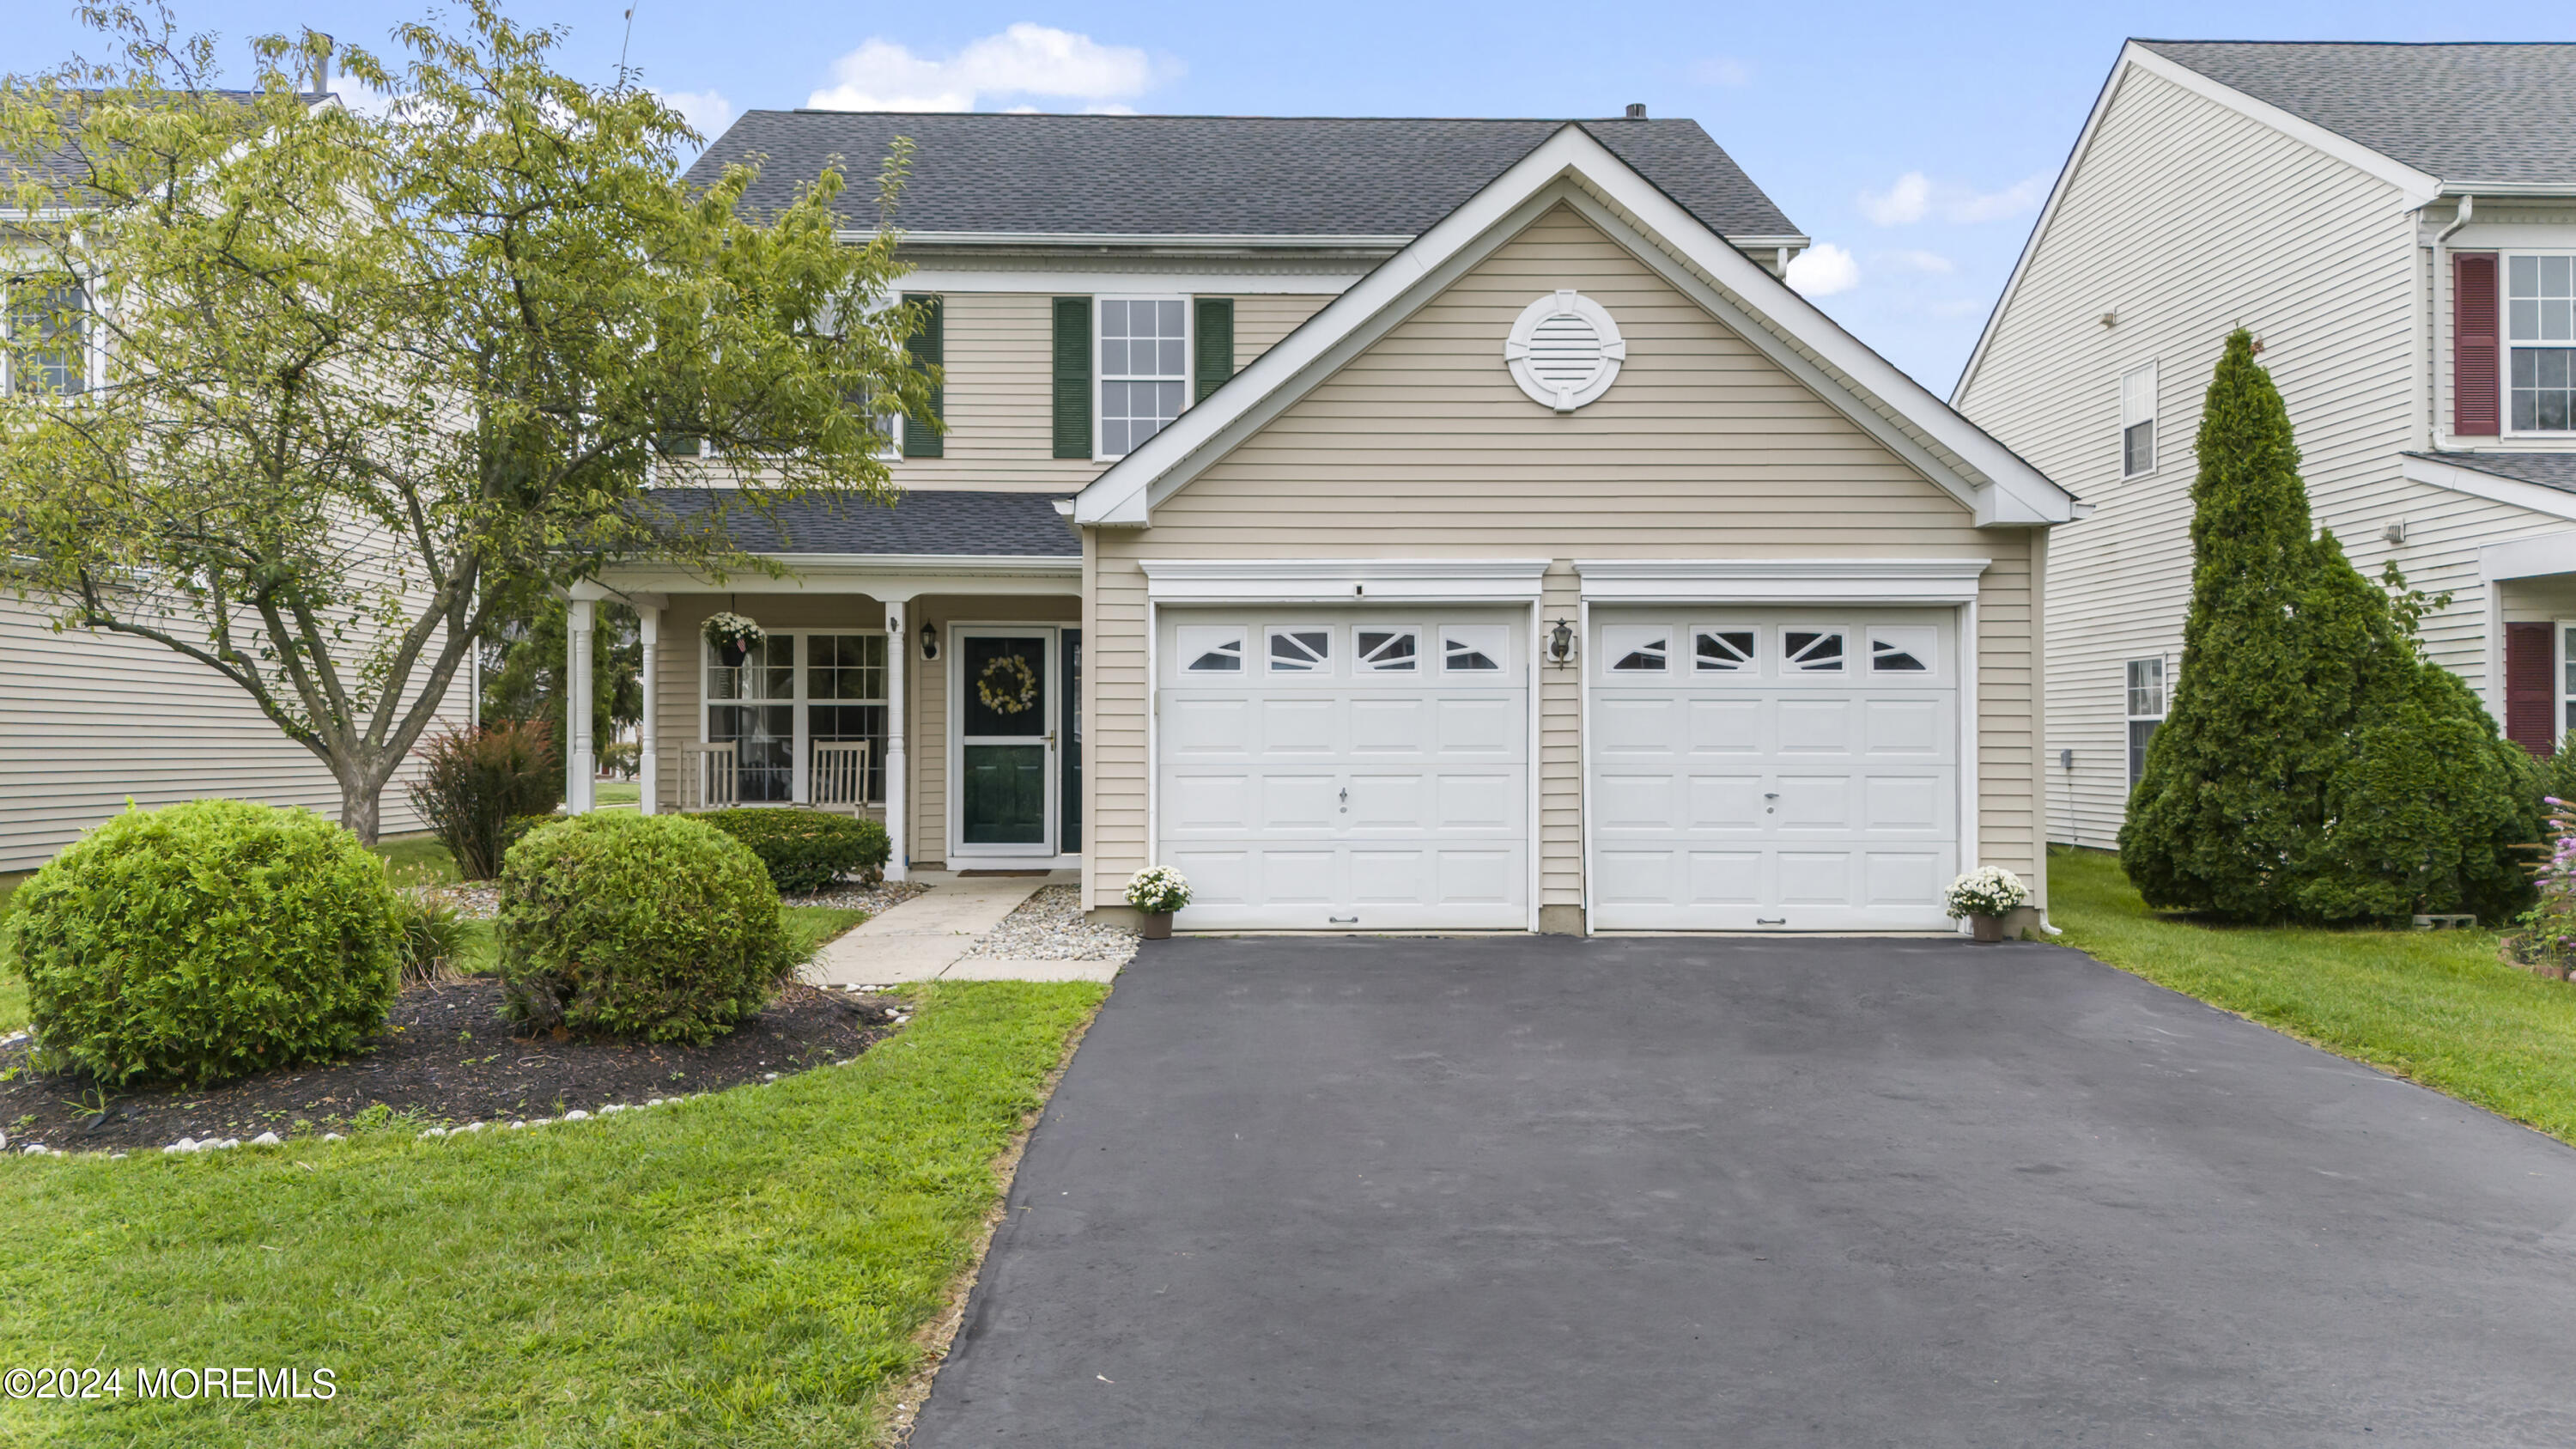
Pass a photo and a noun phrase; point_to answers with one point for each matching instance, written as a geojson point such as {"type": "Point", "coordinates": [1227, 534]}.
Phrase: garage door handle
{"type": "Point", "coordinates": [1341, 920]}
{"type": "Point", "coordinates": [1770, 920]}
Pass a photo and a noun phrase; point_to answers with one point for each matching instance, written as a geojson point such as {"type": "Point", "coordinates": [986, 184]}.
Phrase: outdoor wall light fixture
{"type": "Point", "coordinates": [929, 642]}
{"type": "Point", "coordinates": [1560, 642]}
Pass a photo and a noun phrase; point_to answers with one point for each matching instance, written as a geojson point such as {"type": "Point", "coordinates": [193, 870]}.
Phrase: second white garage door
{"type": "Point", "coordinates": [1345, 768]}
{"type": "Point", "coordinates": [1773, 769]}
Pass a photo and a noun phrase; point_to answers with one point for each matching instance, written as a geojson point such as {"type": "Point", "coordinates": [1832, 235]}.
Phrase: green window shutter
{"type": "Point", "coordinates": [1214, 363]}
{"type": "Point", "coordinates": [1073, 377]}
{"type": "Point", "coordinates": [929, 348]}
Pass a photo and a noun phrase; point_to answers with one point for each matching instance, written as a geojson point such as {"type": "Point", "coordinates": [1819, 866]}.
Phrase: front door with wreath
{"type": "Point", "coordinates": [1006, 721]}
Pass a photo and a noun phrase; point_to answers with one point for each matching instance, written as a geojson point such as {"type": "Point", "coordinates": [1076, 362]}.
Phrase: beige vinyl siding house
{"type": "Point", "coordinates": [2219, 185]}
{"type": "Point", "coordinates": [1541, 563]}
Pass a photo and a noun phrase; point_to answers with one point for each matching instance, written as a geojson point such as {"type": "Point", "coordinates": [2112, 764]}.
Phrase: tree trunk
{"type": "Point", "coordinates": [358, 807]}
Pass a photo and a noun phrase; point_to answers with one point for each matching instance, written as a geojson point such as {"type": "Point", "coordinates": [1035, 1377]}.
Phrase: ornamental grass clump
{"type": "Point", "coordinates": [649, 927]}
{"type": "Point", "coordinates": [474, 784]}
{"type": "Point", "coordinates": [2314, 767]}
{"type": "Point", "coordinates": [207, 941]}
{"type": "Point", "coordinates": [807, 850]}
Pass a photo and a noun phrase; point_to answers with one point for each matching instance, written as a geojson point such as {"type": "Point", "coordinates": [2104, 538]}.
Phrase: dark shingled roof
{"type": "Point", "coordinates": [1207, 175]}
{"type": "Point", "coordinates": [997, 525]}
{"type": "Point", "coordinates": [2549, 470]}
{"type": "Point", "coordinates": [2466, 113]}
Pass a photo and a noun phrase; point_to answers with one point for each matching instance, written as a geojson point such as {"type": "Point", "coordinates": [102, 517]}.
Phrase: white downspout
{"type": "Point", "coordinates": [2442, 328]}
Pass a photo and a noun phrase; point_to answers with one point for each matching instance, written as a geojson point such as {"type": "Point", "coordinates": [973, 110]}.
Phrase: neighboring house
{"type": "Point", "coordinates": [91, 720]}
{"type": "Point", "coordinates": [1391, 524]}
{"type": "Point", "coordinates": [2397, 225]}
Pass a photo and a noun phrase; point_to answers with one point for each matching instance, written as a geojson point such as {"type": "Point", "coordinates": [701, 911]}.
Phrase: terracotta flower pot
{"type": "Point", "coordinates": [1157, 926]}
{"type": "Point", "coordinates": [1988, 929]}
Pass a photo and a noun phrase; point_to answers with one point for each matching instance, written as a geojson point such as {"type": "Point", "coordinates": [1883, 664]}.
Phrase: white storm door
{"type": "Point", "coordinates": [1345, 769]}
{"type": "Point", "coordinates": [1773, 769]}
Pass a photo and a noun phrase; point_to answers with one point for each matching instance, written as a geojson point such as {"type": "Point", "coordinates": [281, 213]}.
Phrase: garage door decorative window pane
{"type": "Point", "coordinates": [1470, 651]}
{"type": "Point", "coordinates": [1300, 652]}
{"type": "Point", "coordinates": [1900, 651]}
{"type": "Point", "coordinates": [1212, 651]}
{"type": "Point", "coordinates": [1815, 653]}
{"type": "Point", "coordinates": [1388, 650]}
{"type": "Point", "coordinates": [1631, 654]}
{"type": "Point", "coordinates": [1724, 651]}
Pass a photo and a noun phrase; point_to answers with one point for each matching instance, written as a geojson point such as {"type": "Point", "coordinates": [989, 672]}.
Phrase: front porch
{"type": "Point", "coordinates": [940, 693]}
{"type": "Point", "coordinates": [2531, 638]}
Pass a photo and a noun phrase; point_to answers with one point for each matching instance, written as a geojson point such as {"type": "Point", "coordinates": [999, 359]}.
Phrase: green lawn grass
{"type": "Point", "coordinates": [2436, 1007]}
{"type": "Point", "coordinates": [745, 1269]}
{"type": "Point", "coordinates": [617, 792]}
{"type": "Point", "coordinates": [418, 860]}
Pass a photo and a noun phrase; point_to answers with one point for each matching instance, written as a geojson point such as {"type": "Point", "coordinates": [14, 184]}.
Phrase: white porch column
{"type": "Point", "coordinates": [648, 770]}
{"type": "Point", "coordinates": [581, 761]}
{"type": "Point", "coordinates": [898, 657]}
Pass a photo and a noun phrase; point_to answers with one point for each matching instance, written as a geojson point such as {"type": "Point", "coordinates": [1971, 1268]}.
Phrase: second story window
{"type": "Point", "coordinates": [2540, 327]}
{"type": "Point", "coordinates": [47, 355]}
{"type": "Point", "coordinates": [2138, 422]}
{"type": "Point", "coordinates": [2146, 710]}
{"type": "Point", "coordinates": [1144, 369]}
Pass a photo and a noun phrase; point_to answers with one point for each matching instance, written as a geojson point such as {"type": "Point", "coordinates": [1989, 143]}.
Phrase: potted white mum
{"type": "Point", "coordinates": [1985, 897]}
{"type": "Point", "coordinates": [1157, 891]}
{"type": "Point", "coordinates": [733, 636]}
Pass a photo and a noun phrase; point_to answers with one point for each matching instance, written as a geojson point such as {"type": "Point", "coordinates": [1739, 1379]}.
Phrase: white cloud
{"type": "Point", "coordinates": [707, 112]}
{"type": "Point", "coordinates": [1024, 60]}
{"type": "Point", "coordinates": [1721, 70]}
{"type": "Point", "coordinates": [1822, 270]}
{"type": "Point", "coordinates": [1921, 261]}
{"type": "Point", "coordinates": [1915, 196]}
{"type": "Point", "coordinates": [1904, 202]}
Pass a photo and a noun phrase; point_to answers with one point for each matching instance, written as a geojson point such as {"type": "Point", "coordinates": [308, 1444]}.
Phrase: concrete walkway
{"type": "Point", "coordinates": [1748, 1193]}
{"type": "Point", "coordinates": [926, 938]}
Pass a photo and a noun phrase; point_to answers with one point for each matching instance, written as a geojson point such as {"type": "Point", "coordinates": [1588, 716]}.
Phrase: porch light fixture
{"type": "Point", "coordinates": [1560, 642]}
{"type": "Point", "coordinates": [929, 642]}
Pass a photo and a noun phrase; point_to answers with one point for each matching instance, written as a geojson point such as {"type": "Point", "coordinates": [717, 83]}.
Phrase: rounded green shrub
{"type": "Point", "coordinates": [206, 941]}
{"type": "Point", "coordinates": [658, 927]}
{"type": "Point", "coordinates": [806, 850]}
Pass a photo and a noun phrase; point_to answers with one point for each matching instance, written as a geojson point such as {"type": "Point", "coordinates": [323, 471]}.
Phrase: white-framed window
{"type": "Point", "coordinates": [1722, 650]}
{"type": "Point", "coordinates": [2565, 630]}
{"type": "Point", "coordinates": [1142, 345]}
{"type": "Point", "coordinates": [2138, 421]}
{"type": "Point", "coordinates": [1299, 650]}
{"type": "Point", "coordinates": [1386, 649]}
{"type": "Point", "coordinates": [48, 334]}
{"type": "Point", "coordinates": [1902, 649]}
{"type": "Point", "coordinates": [1211, 649]}
{"type": "Point", "coordinates": [2146, 709]}
{"type": "Point", "coordinates": [798, 689]}
{"type": "Point", "coordinates": [1637, 648]}
{"type": "Point", "coordinates": [1811, 651]}
{"type": "Point", "coordinates": [1473, 648]}
{"type": "Point", "coordinates": [2540, 337]}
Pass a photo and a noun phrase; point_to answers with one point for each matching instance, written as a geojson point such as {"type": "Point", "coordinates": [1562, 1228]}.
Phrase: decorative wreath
{"type": "Point", "coordinates": [1008, 699]}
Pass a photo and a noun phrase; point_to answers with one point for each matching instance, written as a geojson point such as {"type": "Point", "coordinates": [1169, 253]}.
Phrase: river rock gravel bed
{"type": "Point", "coordinates": [1049, 926]}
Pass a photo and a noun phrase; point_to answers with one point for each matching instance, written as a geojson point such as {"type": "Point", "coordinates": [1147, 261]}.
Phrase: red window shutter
{"type": "Point", "coordinates": [2476, 319]}
{"type": "Point", "coordinates": [2530, 711]}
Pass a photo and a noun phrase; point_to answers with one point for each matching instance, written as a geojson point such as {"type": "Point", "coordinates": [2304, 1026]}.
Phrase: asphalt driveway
{"type": "Point", "coordinates": [1633, 1192]}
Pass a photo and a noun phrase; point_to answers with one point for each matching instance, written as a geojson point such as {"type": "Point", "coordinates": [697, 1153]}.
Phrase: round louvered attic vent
{"type": "Point", "coordinates": [1564, 351]}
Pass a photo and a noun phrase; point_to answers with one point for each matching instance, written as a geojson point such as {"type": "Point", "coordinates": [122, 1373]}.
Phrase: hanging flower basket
{"type": "Point", "coordinates": [734, 637]}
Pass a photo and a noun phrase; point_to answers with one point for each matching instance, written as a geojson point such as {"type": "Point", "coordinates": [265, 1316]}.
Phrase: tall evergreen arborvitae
{"type": "Point", "coordinates": [2313, 765]}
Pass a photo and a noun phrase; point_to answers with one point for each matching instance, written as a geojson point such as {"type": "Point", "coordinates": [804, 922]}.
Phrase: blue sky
{"type": "Point", "coordinates": [1916, 140]}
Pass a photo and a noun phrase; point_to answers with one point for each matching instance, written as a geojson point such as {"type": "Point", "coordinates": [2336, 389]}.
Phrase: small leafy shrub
{"type": "Point", "coordinates": [432, 933]}
{"type": "Point", "coordinates": [206, 941]}
{"type": "Point", "coordinates": [1158, 890]}
{"type": "Point", "coordinates": [806, 850]}
{"type": "Point", "coordinates": [658, 927]}
{"type": "Point", "coordinates": [2549, 927]}
{"type": "Point", "coordinates": [474, 783]}
{"type": "Point", "coordinates": [1992, 891]}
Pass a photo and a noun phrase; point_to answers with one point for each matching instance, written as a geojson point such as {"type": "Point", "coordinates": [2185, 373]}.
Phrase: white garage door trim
{"type": "Point", "coordinates": [1858, 582]}
{"type": "Point", "coordinates": [1351, 612]}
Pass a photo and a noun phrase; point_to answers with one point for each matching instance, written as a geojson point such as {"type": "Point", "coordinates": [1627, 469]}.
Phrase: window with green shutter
{"type": "Point", "coordinates": [1073, 377]}
{"type": "Point", "coordinates": [1215, 346]}
{"type": "Point", "coordinates": [929, 348]}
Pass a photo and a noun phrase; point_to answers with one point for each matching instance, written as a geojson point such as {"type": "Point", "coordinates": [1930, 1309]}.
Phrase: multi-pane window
{"type": "Point", "coordinates": [2146, 710]}
{"type": "Point", "coordinates": [1144, 369]}
{"type": "Point", "coordinates": [46, 355]}
{"type": "Point", "coordinates": [2540, 327]}
{"type": "Point", "coordinates": [2138, 421]}
{"type": "Point", "coordinates": [794, 692]}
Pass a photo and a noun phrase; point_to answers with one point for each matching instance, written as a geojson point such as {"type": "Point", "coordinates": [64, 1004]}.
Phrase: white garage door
{"type": "Point", "coordinates": [1345, 768]}
{"type": "Point", "coordinates": [1773, 769]}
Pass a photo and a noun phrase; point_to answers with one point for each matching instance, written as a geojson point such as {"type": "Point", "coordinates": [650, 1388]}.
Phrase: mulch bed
{"type": "Point", "coordinates": [447, 1057]}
